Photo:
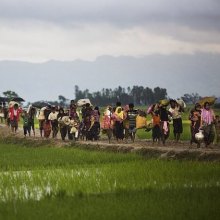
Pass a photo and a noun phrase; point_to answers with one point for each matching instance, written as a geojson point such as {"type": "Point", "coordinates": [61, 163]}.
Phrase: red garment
{"type": "Point", "coordinates": [12, 116]}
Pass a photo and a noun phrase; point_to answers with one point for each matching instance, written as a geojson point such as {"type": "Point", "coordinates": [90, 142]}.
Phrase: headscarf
{"type": "Point", "coordinates": [120, 115]}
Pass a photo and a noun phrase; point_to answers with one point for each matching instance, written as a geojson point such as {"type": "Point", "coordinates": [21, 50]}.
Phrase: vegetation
{"type": "Point", "coordinates": [137, 94]}
{"type": "Point", "coordinates": [71, 183]}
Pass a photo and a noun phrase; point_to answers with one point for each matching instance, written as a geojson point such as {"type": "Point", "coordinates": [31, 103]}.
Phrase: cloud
{"type": "Point", "coordinates": [67, 30]}
{"type": "Point", "coordinates": [37, 41]}
{"type": "Point", "coordinates": [197, 13]}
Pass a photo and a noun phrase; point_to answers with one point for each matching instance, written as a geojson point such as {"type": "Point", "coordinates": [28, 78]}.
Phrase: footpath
{"type": "Point", "coordinates": [180, 151]}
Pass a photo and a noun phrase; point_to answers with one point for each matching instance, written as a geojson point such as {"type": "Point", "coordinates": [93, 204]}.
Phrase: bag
{"type": "Point", "coordinates": [141, 122]}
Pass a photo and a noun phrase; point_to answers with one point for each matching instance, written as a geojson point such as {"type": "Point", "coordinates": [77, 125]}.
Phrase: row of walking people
{"type": "Point", "coordinates": [119, 122]}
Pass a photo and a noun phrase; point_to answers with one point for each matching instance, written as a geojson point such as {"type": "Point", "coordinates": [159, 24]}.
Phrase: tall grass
{"type": "Point", "coordinates": [72, 183]}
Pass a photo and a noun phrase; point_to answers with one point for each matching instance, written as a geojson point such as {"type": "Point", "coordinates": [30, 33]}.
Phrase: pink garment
{"type": "Point", "coordinates": [106, 123]}
{"type": "Point", "coordinates": [165, 127]}
{"type": "Point", "coordinates": [207, 116]}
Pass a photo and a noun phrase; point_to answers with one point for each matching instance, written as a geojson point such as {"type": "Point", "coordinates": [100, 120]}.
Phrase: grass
{"type": "Point", "coordinates": [185, 136]}
{"type": "Point", "coordinates": [72, 183]}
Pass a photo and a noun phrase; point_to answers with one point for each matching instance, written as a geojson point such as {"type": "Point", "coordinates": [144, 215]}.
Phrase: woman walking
{"type": "Point", "coordinates": [176, 111]}
{"type": "Point", "coordinates": [119, 127]}
{"type": "Point", "coordinates": [195, 118]}
{"type": "Point", "coordinates": [14, 114]}
{"type": "Point", "coordinates": [164, 122]}
{"type": "Point", "coordinates": [207, 124]}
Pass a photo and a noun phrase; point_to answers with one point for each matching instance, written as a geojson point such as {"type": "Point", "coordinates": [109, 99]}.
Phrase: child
{"type": "Point", "coordinates": [131, 117]}
{"type": "Point", "coordinates": [47, 129]}
{"type": "Point", "coordinates": [26, 125]}
{"type": "Point", "coordinates": [156, 132]}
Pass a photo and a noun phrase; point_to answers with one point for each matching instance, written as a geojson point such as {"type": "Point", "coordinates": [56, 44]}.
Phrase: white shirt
{"type": "Point", "coordinates": [53, 116]}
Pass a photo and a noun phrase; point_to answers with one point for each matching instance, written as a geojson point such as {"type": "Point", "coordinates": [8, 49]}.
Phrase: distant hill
{"type": "Point", "coordinates": [178, 73]}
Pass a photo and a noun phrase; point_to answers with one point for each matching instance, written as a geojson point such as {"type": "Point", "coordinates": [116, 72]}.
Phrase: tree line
{"type": "Point", "coordinates": [138, 95]}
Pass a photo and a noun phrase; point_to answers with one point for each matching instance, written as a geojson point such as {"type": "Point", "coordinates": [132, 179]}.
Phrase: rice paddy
{"type": "Point", "coordinates": [47, 182]}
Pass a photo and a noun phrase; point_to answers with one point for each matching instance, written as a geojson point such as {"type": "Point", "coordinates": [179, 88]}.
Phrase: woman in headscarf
{"type": "Point", "coordinates": [107, 123]}
{"type": "Point", "coordinates": [95, 124]}
{"type": "Point", "coordinates": [207, 123]}
{"type": "Point", "coordinates": [195, 118]}
{"type": "Point", "coordinates": [119, 128]}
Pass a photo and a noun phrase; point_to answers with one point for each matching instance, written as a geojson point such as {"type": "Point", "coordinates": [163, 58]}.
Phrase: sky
{"type": "Point", "coordinates": [41, 30]}
{"type": "Point", "coordinates": [67, 30]}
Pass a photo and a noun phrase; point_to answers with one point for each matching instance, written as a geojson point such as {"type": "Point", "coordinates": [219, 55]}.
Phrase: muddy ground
{"type": "Point", "coordinates": [181, 151]}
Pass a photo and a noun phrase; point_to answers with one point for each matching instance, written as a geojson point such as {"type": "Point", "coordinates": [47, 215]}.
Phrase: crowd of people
{"type": "Point", "coordinates": [86, 123]}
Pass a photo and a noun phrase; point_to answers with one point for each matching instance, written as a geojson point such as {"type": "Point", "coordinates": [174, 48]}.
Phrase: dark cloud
{"type": "Point", "coordinates": [199, 14]}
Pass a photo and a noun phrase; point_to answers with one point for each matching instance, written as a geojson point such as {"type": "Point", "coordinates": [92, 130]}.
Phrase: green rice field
{"type": "Point", "coordinates": [46, 182]}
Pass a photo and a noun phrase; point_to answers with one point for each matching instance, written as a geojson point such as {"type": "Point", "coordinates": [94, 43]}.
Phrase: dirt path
{"type": "Point", "coordinates": [181, 150]}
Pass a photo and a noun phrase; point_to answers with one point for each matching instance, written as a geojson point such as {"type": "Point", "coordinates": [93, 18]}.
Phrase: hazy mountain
{"type": "Point", "coordinates": [178, 73]}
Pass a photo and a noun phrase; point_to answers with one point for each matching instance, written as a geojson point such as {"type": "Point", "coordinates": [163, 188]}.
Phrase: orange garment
{"type": "Point", "coordinates": [156, 120]}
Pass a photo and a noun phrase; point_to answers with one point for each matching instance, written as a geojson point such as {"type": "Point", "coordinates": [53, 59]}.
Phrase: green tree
{"type": "Point", "coordinates": [191, 98]}
{"type": "Point", "coordinates": [62, 100]}
{"type": "Point", "coordinates": [10, 94]}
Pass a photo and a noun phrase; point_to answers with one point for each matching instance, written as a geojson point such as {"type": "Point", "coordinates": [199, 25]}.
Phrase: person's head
{"type": "Point", "coordinates": [87, 105]}
{"type": "Point", "coordinates": [96, 108]}
{"type": "Point", "coordinates": [197, 106]}
{"type": "Point", "coordinates": [173, 103]}
{"type": "Point", "coordinates": [217, 117]}
{"type": "Point", "coordinates": [110, 108]}
{"type": "Point", "coordinates": [25, 112]}
{"type": "Point", "coordinates": [61, 111]}
{"type": "Point", "coordinates": [207, 105]}
{"type": "Point", "coordinates": [33, 110]}
{"type": "Point", "coordinates": [53, 109]}
{"type": "Point", "coordinates": [119, 110]}
{"type": "Point", "coordinates": [16, 106]}
{"type": "Point", "coordinates": [131, 106]}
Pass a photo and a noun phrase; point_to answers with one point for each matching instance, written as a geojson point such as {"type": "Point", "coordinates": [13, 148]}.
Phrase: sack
{"type": "Point", "coordinates": [164, 102]}
{"type": "Point", "coordinates": [141, 122]}
{"type": "Point", "coordinates": [211, 100]}
{"type": "Point", "coordinates": [73, 130]}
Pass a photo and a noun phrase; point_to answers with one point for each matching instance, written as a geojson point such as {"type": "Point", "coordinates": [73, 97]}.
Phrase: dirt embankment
{"type": "Point", "coordinates": [181, 151]}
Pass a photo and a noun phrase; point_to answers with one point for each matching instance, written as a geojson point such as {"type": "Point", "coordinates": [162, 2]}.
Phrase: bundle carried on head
{"type": "Point", "coordinates": [164, 102]}
{"type": "Point", "coordinates": [83, 102]}
{"type": "Point", "coordinates": [211, 100]}
{"type": "Point", "coordinates": [181, 103]}
{"type": "Point", "coordinates": [12, 103]}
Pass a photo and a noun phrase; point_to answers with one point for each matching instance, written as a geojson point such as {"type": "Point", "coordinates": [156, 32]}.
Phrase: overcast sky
{"type": "Point", "coordinates": [40, 30]}
{"type": "Point", "coordinates": [67, 30]}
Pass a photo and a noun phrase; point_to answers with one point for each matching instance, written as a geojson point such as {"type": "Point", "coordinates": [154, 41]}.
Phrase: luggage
{"type": "Point", "coordinates": [141, 122]}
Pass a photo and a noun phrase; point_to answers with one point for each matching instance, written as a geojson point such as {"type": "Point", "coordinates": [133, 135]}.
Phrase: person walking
{"type": "Point", "coordinates": [176, 114]}
{"type": "Point", "coordinates": [195, 118]}
{"type": "Point", "coordinates": [207, 124]}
